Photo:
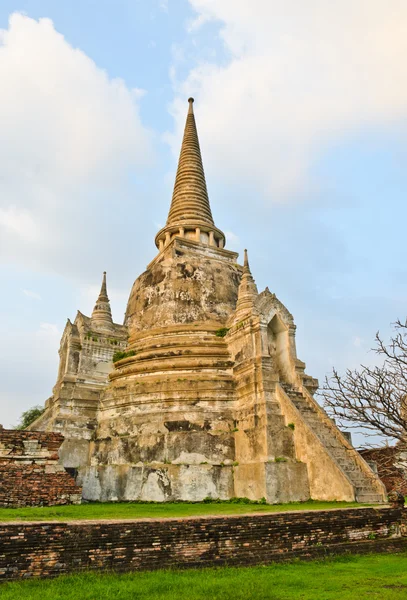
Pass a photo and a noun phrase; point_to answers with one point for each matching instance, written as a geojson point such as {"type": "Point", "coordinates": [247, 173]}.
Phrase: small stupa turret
{"type": "Point", "coordinates": [247, 292]}
{"type": "Point", "coordinates": [102, 314]}
{"type": "Point", "coordinates": [190, 213]}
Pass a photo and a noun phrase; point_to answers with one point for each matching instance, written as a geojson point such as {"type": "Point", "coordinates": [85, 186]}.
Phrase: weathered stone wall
{"type": "Point", "coordinates": [49, 549]}
{"type": "Point", "coordinates": [187, 283]}
{"type": "Point", "coordinates": [29, 471]}
{"type": "Point", "coordinates": [266, 462]}
{"type": "Point", "coordinates": [165, 423]}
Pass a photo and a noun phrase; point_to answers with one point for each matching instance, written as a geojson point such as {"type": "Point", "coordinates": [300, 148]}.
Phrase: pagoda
{"type": "Point", "coordinates": [207, 397]}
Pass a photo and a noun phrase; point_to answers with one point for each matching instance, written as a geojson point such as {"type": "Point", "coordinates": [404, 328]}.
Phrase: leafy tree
{"type": "Point", "coordinates": [29, 416]}
{"type": "Point", "coordinates": [373, 398]}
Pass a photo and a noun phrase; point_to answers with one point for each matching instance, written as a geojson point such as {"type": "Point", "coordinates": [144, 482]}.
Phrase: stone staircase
{"type": "Point", "coordinates": [364, 485]}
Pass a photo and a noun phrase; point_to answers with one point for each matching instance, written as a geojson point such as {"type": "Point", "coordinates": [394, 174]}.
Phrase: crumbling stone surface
{"type": "Point", "coordinates": [30, 474]}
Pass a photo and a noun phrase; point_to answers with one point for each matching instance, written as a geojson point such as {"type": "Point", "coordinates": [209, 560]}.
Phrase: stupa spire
{"type": "Point", "coordinates": [190, 213]}
{"type": "Point", "coordinates": [103, 289]}
{"type": "Point", "coordinates": [247, 292]}
{"type": "Point", "coordinates": [190, 196]}
{"type": "Point", "coordinates": [102, 314]}
{"type": "Point", "coordinates": [246, 266]}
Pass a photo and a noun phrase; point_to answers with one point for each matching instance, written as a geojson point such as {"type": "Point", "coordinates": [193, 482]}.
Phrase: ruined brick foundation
{"type": "Point", "coordinates": [51, 549]}
{"type": "Point", "coordinates": [30, 474]}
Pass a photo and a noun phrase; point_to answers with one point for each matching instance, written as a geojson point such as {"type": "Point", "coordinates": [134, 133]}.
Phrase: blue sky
{"type": "Point", "coordinates": [302, 120]}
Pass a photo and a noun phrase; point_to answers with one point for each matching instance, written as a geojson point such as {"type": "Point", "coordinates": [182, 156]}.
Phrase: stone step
{"type": "Point", "coordinates": [356, 478]}
{"type": "Point", "coordinates": [337, 450]}
{"type": "Point", "coordinates": [360, 483]}
{"type": "Point", "coordinates": [331, 439]}
{"type": "Point", "coordinates": [306, 409]}
{"type": "Point", "coordinates": [342, 456]}
{"type": "Point", "coordinates": [346, 459]}
{"type": "Point", "coordinates": [369, 498]}
{"type": "Point", "coordinates": [363, 490]}
{"type": "Point", "coordinates": [335, 447]}
{"type": "Point", "coordinates": [356, 475]}
{"type": "Point", "coordinates": [343, 463]}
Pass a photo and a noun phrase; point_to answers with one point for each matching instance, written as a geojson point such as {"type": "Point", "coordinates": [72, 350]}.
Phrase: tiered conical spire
{"type": "Point", "coordinates": [190, 213]}
{"type": "Point", "coordinates": [247, 290]}
{"type": "Point", "coordinates": [190, 197]}
{"type": "Point", "coordinates": [102, 315]}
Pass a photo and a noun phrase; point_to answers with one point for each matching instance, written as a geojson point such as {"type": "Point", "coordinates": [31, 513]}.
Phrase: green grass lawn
{"type": "Point", "coordinates": [373, 577]}
{"type": "Point", "coordinates": [139, 510]}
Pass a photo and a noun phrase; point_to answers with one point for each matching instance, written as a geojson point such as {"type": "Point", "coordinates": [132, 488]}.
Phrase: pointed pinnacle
{"type": "Point", "coordinates": [103, 290]}
{"type": "Point", "coordinates": [190, 211]}
{"type": "Point", "coordinates": [247, 280]}
{"type": "Point", "coordinates": [102, 315]}
{"type": "Point", "coordinates": [190, 199]}
{"type": "Point", "coordinates": [247, 292]}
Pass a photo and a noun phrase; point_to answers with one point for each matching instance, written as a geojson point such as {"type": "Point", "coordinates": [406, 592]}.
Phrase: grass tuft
{"type": "Point", "coordinates": [160, 510]}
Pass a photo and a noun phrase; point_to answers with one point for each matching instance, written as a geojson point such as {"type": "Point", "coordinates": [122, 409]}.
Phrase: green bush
{"type": "Point", "coordinates": [243, 500]}
{"type": "Point", "coordinates": [29, 416]}
{"type": "Point", "coordinates": [222, 332]}
{"type": "Point", "coordinates": [120, 355]}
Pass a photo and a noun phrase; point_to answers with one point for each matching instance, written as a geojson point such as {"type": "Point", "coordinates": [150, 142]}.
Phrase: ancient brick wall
{"type": "Point", "coordinates": [30, 474]}
{"type": "Point", "coordinates": [391, 464]}
{"type": "Point", "coordinates": [49, 549]}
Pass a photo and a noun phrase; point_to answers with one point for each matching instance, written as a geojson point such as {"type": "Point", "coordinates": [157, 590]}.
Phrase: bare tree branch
{"type": "Point", "coordinates": [374, 398]}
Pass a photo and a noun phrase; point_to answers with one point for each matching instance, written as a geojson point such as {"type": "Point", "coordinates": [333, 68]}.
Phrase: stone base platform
{"type": "Point", "coordinates": [279, 482]}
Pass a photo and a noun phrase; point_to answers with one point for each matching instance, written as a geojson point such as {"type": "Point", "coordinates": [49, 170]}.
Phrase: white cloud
{"type": "Point", "coordinates": [232, 236]}
{"type": "Point", "coordinates": [48, 330]}
{"type": "Point", "coordinates": [31, 294]}
{"type": "Point", "coordinates": [18, 222]}
{"type": "Point", "coordinates": [232, 239]}
{"type": "Point", "coordinates": [299, 76]}
{"type": "Point", "coordinates": [70, 134]}
{"type": "Point", "coordinates": [38, 362]}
